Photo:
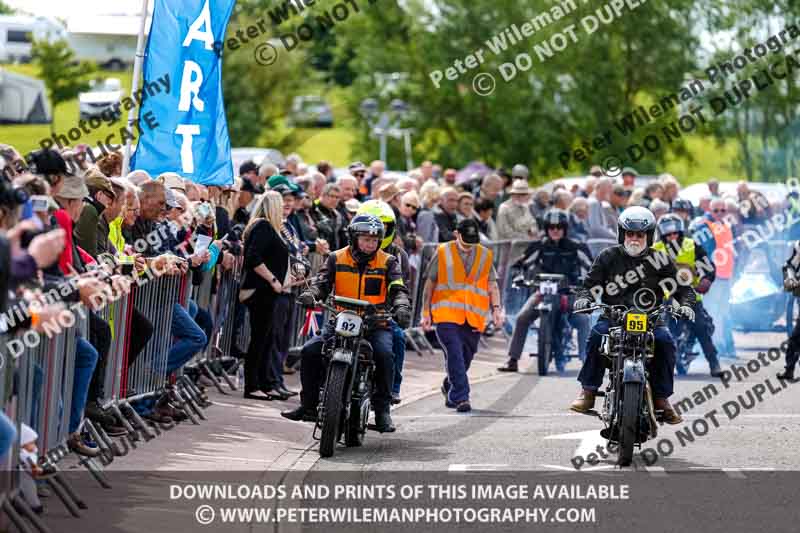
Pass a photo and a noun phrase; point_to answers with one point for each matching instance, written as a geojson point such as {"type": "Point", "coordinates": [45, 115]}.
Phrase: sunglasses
{"type": "Point", "coordinates": [719, 210]}
{"type": "Point", "coordinates": [636, 234]}
{"type": "Point", "coordinates": [414, 207]}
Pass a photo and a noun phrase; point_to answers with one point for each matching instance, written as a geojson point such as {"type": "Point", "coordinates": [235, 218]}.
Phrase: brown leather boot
{"type": "Point", "coordinates": [584, 402]}
{"type": "Point", "coordinates": [669, 415]}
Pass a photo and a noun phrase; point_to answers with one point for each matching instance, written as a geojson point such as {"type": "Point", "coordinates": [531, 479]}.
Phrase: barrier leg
{"type": "Point", "coordinates": [24, 509]}
{"type": "Point", "coordinates": [101, 439]}
{"type": "Point", "coordinates": [412, 344]}
{"type": "Point", "coordinates": [191, 390]}
{"type": "Point", "coordinates": [15, 518]}
{"type": "Point", "coordinates": [140, 424]}
{"type": "Point", "coordinates": [188, 405]}
{"type": "Point", "coordinates": [59, 490]}
{"type": "Point", "coordinates": [132, 434]}
{"type": "Point", "coordinates": [204, 366]}
{"type": "Point", "coordinates": [96, 472]}
{"type": "Point", "coordinates": [227, 376]}
{"type": "Point", "coordinates": [178, 400]}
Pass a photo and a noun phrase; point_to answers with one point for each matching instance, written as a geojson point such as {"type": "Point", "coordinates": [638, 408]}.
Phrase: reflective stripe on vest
{"type": "Point", "coordinates": [370, 286]}
{"type": "Point", "coordinates": [686, 258]}
{"type": "Point", "coordinates": [457, 296]}
{"type": "Point", "coordinates": [723, 253]}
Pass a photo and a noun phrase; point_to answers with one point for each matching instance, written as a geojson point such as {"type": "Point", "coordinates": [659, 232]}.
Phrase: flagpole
{"type": "Point", "coordinates": [137, 68]}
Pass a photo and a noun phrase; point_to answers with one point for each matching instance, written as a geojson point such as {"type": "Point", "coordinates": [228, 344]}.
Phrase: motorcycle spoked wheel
{"type": "Point", "coordinates": [357, 423]}
{"type": "Point", "coordinates": [629, 422]}
{"type": "Point", "coordinates": [334, 393]}
{"type": "Point", "coordinates": [544, 344]}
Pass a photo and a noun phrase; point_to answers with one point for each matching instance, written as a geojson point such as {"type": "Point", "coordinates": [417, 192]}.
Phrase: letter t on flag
{"type": "Point", "coordinates": [191, 135]}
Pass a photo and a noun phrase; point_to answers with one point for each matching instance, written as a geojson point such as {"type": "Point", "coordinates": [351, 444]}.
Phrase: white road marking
{"type": "Point", "coordinates": [656, 471]}
{"type": "Point", "coordinates": [216, 457]}
{"type": "Point", "coordinates": [590, 441]}
{"type": "Point", "coordinates": [583, 469]}
{"type": "Point", "coordinates": [476, 467]}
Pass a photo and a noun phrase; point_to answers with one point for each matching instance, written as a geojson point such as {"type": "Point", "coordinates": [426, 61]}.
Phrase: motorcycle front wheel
{"type": "Point", "coordinates": [629, 422]}
{"type": "Point", "coordinates": [544, 346]}
{"type": "Point", "coordinates": [334, 392]}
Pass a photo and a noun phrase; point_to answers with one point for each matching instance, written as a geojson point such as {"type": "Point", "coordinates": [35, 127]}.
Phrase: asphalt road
{"type": "Point", "coordinates": [522, 422]}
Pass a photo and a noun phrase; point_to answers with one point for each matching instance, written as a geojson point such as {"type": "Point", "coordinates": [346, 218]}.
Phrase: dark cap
{"type": "Point", "coordinates": [469, 231]}
{"type": "Point", "coordinates": [47, 163]}
{"type": "Point", "coordinates": [247, 186]}
{"type": "Point", "coordinates": [621, 190]}
{"type": "Point", "coordinates": [247, 166]}
{"type": "Point", "coordinates": [282, 189]}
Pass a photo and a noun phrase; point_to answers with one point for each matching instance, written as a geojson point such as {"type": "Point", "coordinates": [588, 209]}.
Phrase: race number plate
{"type": "Point", "coordinates": [636, 323]}
{"type": "Point", "coordinates": [348, 324]}
{"type": "Point", "coordinates": [548, 287]}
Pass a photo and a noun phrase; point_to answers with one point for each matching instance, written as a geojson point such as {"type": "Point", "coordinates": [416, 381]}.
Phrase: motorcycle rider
{"type": "Point", "coordinates": [791, 283]}
{"type": "Point", "coordinates": [631, 273]}
{"type": "Point", "coordinates": [362, 271]}
{"type": "Point", "coordinates": [385, 213]}
{"type": "Point", "coordinates": [555, 254]}
{"type": "Point", "coordinates": [691, 260]}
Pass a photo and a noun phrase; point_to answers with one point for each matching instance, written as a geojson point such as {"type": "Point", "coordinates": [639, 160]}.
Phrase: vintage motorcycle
{"type": "Point", "coordinates": [344, 404]}
{"type": "Point", "coordinates": [553, 293]}
{"type": "Point", "coordinates": [628, 412]}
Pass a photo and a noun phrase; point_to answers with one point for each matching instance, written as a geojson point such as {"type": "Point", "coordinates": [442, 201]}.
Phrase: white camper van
{"type": "Point", "coordinates": [18, 32]}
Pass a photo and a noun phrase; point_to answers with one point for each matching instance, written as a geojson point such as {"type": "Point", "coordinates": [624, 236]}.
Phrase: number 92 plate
{"type": "Point", "coordinates": [348, 324]}
{"type": "Point", "coordinates": [636, 322]}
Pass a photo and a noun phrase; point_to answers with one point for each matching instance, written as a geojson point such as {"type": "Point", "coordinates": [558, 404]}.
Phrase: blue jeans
{"type": "Point", "coordinates": [312, 369]}
{"type": "Point", "coordinates": [661, 367]}
{"type": "Point", "coordinates": [189, 339]}
{"type": "Point", "coordinates": [85, 361]}
{"type": "Point", "coordinates": [202, 318]}
{"type": "Point", "coordinates": [399, 352]}
{"type": "Point", "coordinates": [459, 342]}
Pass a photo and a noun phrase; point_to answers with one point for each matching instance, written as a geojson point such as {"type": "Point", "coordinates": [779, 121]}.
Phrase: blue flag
{"type": "Point", "coordinates": [185, 130]}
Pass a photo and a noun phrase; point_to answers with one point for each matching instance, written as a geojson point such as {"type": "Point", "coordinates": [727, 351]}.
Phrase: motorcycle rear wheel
{"type": "Point", "coordinates": [544, 347]}
{"type": "Point", "coordinates": [334, 392]}
{"type": "Point", "coordinates": [629, 423]}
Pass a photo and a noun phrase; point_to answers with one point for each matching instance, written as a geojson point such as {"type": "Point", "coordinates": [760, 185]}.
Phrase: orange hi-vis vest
{"type": "Point", "coordinates": [371, 285]}
{"type": "Point", "coordinates": [723, 260]}
{"type": "Point", "coordinates": [458, 297]}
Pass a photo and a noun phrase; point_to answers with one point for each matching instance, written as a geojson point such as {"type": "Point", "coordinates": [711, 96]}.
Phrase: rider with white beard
{"type": "Point", "coordinates": [633, 274]}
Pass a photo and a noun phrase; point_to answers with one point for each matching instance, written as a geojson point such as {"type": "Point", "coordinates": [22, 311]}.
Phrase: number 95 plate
{"type": "Point", "coordinates": [348, 324]}
{"type": "Point", "coordinates": [636, 322]}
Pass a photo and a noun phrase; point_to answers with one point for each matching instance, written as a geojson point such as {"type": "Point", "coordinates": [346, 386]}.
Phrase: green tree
{"type": "Point", "coordinates": [5, 9]}
{"type": "Point", "coordinates": [64, 76]}
{"type": "Point", "coordinates": [766, 124]}
{"type": "Point", "coordinates": [543, 111]}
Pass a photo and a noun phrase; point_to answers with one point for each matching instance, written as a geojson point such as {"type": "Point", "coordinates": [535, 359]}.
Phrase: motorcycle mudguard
{"type": "Point", "coordinates": [633, 372]}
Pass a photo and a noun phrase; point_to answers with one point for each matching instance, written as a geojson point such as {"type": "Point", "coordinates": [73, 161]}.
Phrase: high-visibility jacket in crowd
{"type": "Point", "coordinates": [685, 260]}
{"type": "Point", "coordinates": [369, 285]}
{"type": "Point", "coordinates": [724, 258]}
{"type": "Point", "coordinates": [459, 297]}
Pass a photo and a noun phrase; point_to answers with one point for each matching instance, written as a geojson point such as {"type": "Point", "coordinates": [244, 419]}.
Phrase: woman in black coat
{"type": "Point", "coordinates": [266, 265]}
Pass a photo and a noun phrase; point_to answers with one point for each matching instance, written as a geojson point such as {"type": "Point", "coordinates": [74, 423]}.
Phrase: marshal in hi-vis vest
{"type": "Point", "coordinates": [457, 296]}
{"type": "Point", "coordinates": [685, 260]}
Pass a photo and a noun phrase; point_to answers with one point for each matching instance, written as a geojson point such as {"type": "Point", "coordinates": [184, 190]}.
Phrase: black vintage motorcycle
{"type": "Point", "coordinates": [344, 404]}
{"type": "Point", "coordinates": [628, 412]}
{"type": "Point", "coordinates": [552, 294]}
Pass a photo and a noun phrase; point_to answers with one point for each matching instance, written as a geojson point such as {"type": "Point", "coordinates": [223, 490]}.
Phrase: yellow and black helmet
{"type": "Point", "coordinates": [384, 212]}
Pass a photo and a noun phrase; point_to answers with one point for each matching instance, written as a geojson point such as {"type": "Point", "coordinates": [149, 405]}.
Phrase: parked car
{"type": "Point", "coordinates": [310, 111]}
{"type": "Point", "coordinates": [17, 33]}
{"type": "Point", "coordinates": [102, 95]}
{"type": "Point", "coordinates": [256, 155]}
